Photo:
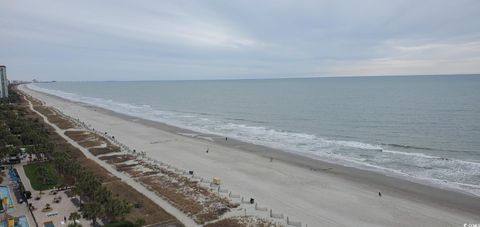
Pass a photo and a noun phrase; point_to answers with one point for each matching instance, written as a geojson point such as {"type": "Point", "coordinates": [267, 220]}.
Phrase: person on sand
{"type": "Point", "coordinates": [226, 138]}
{"type": "Point", "coordinates": [206, 151]}
{"type": "Point", "coordinates": [380, 194]}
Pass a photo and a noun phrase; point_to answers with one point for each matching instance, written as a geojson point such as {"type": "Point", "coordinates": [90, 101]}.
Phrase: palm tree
{"type": "Point", "coordinates": [92, 211]}
{"type": "Point", "coordinates": [88, 184]}
{"type": "Point", "coordinates": [74, 217]}
{"type": "Point", "coordinates": [139, 222]}
{"type": "Point", "coordinates": [125, 208]}
{"type": "Point", "coordinates": [119, 208]}
{"type": "Point", "coordinates": [60, 159]}
{"type": "Point", "coordinates": [102, 195]}
{"type": "Point", "coordinates": [74, 225]}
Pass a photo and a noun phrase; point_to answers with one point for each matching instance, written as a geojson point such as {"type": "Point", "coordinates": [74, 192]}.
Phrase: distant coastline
{"type": "Point", "coordinates": [278, 78]}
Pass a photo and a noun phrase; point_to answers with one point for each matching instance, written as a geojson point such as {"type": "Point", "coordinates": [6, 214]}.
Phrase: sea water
{"type": "Point", "coordinates": [424, 128]}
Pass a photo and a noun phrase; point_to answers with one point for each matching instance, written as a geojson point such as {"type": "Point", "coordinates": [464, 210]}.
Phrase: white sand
{"type": "Point", "coordinates": [316, 198]}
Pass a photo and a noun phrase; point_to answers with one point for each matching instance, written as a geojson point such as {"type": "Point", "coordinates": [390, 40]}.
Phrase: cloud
{"type": "Point", "coordinates": [417, 58]}
{"type": "Point", "coordinates": [89, 40]}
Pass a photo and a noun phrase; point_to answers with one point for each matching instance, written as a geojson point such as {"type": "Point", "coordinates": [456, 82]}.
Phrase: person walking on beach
{"type": "Point", "coordinates": [226, 138]}
{"type": "Point", "coordinates": [380, 194]}
{"type": "Point", "coordinates": [207, 151]}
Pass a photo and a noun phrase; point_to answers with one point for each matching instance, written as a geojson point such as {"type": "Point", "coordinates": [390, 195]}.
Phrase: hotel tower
{"type": "Point", "coordinates": [3, 82]}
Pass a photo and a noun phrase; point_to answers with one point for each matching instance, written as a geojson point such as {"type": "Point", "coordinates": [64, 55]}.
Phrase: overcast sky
{"type": "Point", "coordinates": [157, 40]}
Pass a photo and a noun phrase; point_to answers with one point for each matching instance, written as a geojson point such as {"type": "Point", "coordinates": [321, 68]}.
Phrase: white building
{"type": "Point", "coordinates": [3, 82]}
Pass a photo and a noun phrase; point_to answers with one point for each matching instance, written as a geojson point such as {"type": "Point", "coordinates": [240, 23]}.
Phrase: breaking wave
{"type": "Point", "coordinates": [444, 172]}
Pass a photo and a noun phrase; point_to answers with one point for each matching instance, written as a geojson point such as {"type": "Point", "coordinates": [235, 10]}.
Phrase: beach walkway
{"type": "Point", "coordinates": [187, 221]}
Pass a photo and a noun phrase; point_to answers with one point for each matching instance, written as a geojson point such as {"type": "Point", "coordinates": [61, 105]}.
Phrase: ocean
{"type": "Point", "coordinates": [422, 128]}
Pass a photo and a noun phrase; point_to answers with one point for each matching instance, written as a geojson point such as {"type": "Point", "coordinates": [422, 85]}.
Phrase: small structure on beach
{"type": "Point", "coordinates": [216, 180]}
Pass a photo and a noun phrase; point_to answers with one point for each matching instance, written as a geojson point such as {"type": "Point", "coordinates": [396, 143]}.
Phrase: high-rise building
{"type": "Point", "coordinates": [3, 82]}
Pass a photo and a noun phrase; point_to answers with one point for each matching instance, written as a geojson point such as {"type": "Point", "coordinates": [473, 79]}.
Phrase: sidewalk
{"type": "Point", "coordinates": [19, 209]}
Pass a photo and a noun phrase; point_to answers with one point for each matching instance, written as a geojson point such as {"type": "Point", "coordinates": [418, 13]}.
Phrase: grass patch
{"type": "Point", "coordinates": [104, 150]}
{"type": "Point", "coordinates": [188, 196]}
{"type": "Point", "coordinates": [42, 176]}
{"type": "Point", "coordinates": [143, 207]}
{"type": "Point", "coordinates": [54, 117]}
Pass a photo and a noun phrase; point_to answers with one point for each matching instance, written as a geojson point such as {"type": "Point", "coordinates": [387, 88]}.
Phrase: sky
{"type": "Point", "coordinates": [84, 40]}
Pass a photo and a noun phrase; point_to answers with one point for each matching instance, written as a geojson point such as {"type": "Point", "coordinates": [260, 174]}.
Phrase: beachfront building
{"type": "Point", "coordinates": [3, 82]}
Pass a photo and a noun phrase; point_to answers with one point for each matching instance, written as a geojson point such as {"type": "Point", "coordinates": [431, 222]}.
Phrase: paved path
{"type": "Point", "coordinates": [18, 209]}
{"type": "Point", "coordinates": [24, 178]}
{"type": "Point", "coordinates": [186, 220]}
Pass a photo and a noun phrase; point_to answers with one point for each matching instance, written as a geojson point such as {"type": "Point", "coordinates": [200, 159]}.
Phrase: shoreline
{"type": "Point", "coordinates": [448, 200]}
{"type": "Point", "coordinates": [267, 151]}
{"type": "Point", "coordinates": [361, 176]}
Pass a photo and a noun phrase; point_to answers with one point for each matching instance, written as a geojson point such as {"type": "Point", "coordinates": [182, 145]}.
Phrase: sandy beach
{"type": "Point", "coordinates": [313, 192]}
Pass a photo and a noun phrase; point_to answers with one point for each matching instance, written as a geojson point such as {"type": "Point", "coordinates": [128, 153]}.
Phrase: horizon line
{"type": "Point", "coordinates": [273, 78]}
